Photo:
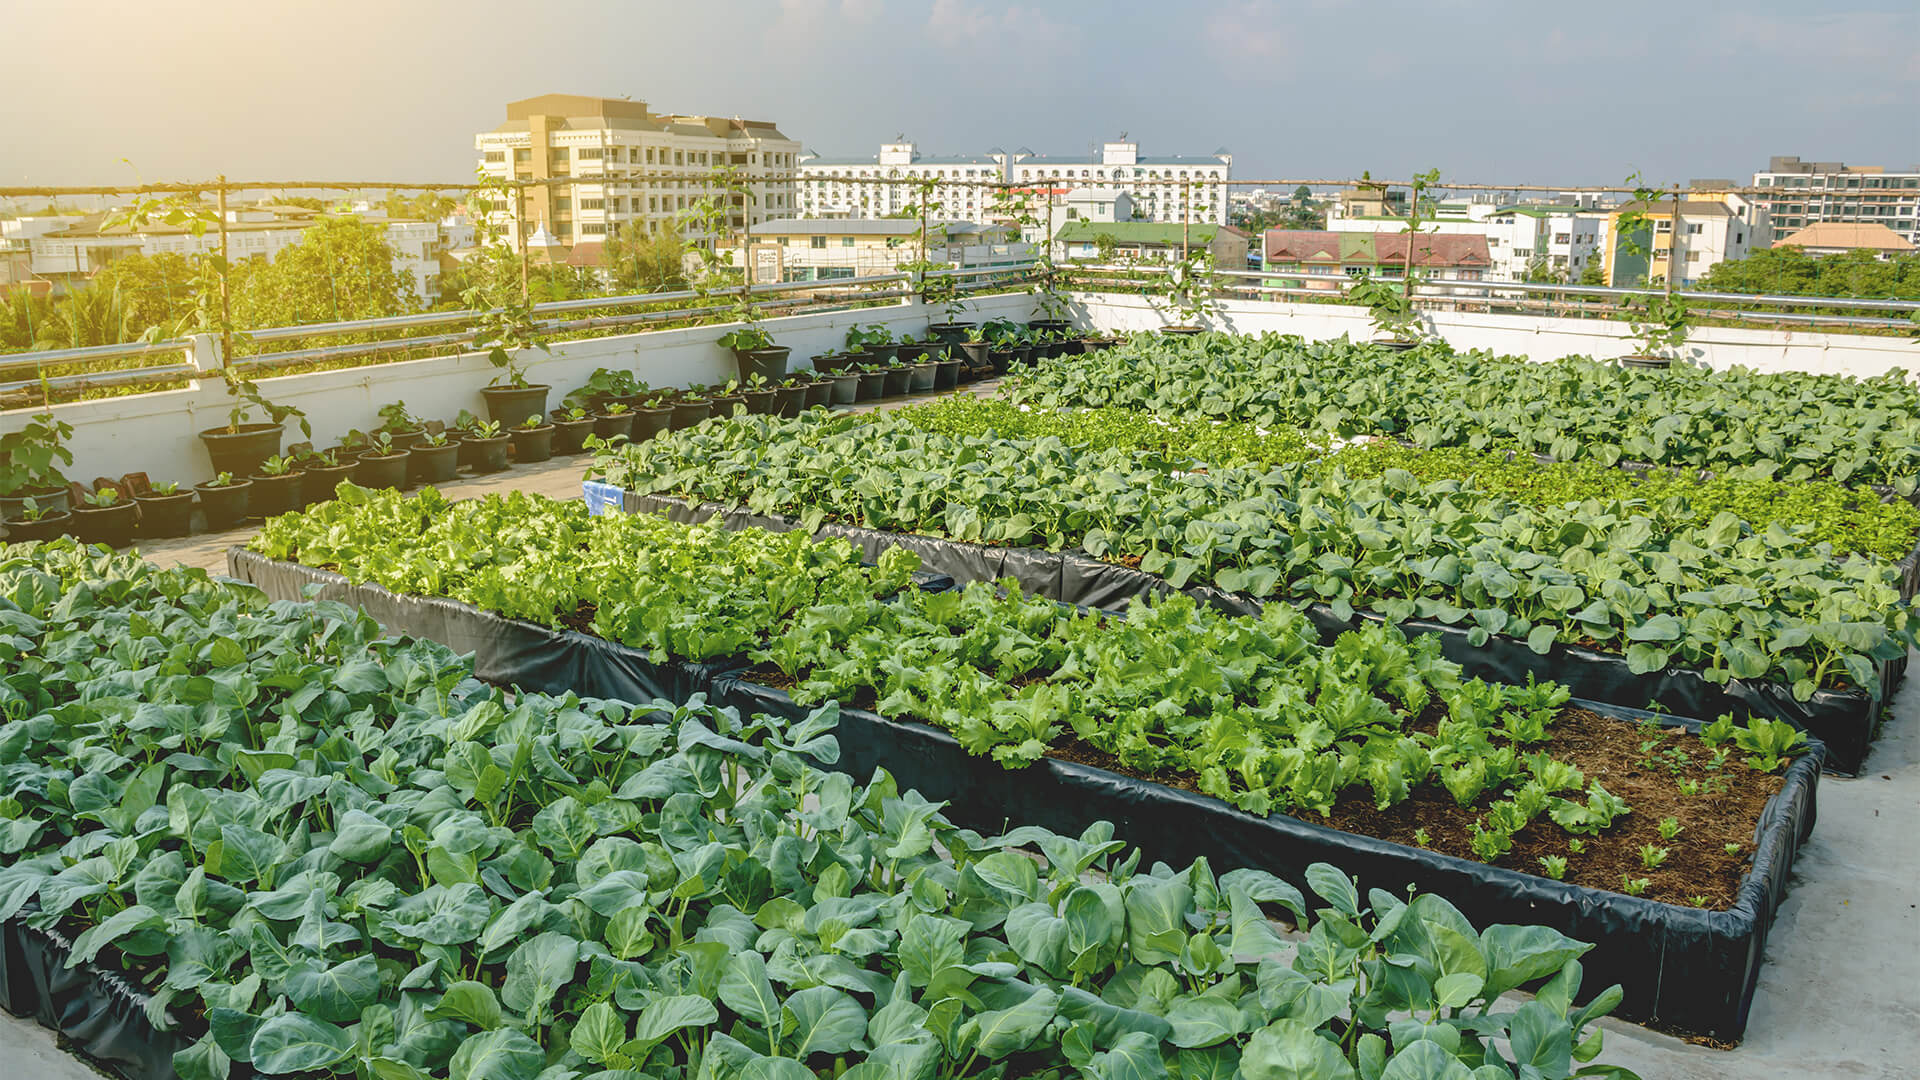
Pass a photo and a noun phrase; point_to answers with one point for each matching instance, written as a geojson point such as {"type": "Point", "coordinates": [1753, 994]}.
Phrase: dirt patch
{"type": "Point", "coordinates": [1697, 865]}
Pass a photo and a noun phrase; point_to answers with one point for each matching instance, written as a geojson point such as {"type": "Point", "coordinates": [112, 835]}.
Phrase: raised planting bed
{"type": "Point", "coordinates": [1021, 715]}
{"type": "Point", "coordinates": [1846, 721]}
{"type": "Point", "coordinates": [97, 1010]}
{"type": "Point", "coordinates": [423, 876]}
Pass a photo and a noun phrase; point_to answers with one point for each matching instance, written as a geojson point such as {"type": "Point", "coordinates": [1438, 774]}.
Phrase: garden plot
{"type": "Point", "coordinates": [1251, 711]}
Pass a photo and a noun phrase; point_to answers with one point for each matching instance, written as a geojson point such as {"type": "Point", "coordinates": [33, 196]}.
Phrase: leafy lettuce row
{"type": "Point", "coordinates": [1720, 597]}
{"type": "Point", "coordinates": [1785, 425]}
{"type": "Point", "coordinates": [350, 857]}
{"type": "Point", "coordinates": [1824, 511]}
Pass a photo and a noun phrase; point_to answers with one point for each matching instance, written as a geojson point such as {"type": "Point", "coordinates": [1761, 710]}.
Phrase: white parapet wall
{"type": "Point", "coordinates": [1535, 337]}
{"type": "Point", "coordinates": [158, 433]}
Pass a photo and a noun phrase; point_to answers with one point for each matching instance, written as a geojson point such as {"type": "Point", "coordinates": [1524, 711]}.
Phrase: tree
{"type": "Point", "coordinates": [85, 317]}
{"type": "Point", "coordinates": [1302, 195]}
{"type": "Point", "coordinates": [426, 206]}
{"type": "Point", "coordinates": [341, 269]}
{"type": "Point", "coordinates": [1595, 272]}
{"type": "Point", "coordinates": [642, 262]}
{"type": "Point", "coordinates": [157, 289]}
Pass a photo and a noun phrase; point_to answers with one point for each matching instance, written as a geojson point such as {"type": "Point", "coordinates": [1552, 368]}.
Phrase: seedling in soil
{"type": "Point", "coordinates": [1652, 855]}
{"type": "Point", "coordinates": [1555, 866]}
{"type": "Point", "coordinates": [1634, 886]}
{"type": "Point", "coordinates": [1669, 828]}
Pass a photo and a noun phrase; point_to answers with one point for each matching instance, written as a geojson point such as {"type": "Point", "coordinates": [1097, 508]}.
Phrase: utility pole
{"type": "Point", "coordinates": [226, 308]}
{"type": "Point", "coordinates": [520, 234]}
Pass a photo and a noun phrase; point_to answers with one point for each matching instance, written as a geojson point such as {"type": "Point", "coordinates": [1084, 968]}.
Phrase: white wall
{"type": "Point", "coordinates": [158, 433]}
{"type": "Point", "coordinates": [1535, 337]}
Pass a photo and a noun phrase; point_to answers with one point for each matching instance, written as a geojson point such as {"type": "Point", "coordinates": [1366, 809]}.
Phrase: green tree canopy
{"type": "Point", "coordinates": [641, 262]}
{"type": "Point", "coordinates": [342, 268]}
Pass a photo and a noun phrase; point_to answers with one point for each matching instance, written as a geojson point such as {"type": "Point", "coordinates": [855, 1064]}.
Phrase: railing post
{"type": "Point", "coordinates": [203, 353]}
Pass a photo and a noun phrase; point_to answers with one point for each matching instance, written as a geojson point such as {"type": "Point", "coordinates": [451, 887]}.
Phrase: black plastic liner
{"type": "Point", "coordinates": [101, 1013]}
{"type": "Point", "coordinates": [1680, 968]}
{"type": "Point", "coordinates": [1846, 721]}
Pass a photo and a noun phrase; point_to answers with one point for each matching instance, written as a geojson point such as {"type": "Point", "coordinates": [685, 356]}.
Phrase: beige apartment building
{"type": "Point", "coordinates": [638, 165]}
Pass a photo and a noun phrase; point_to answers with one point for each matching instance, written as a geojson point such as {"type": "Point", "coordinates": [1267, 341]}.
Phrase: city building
{"type": "Point", "coordinates": [1682, 240]}
{"type": "Point", "coordinates": [1145, 241]}
{"type": "Point", "coordinates": [1803, 193]}
{"type": "Point", "coordinates": [637, 165]}
{"type": "Point", "coordinates": [1840, 238]}
{"type": "Point", "coordinates": [1174, 189]}
{"type": "Point", "coordinates": [76, 250]}
{"type": "Point", "coordinates": [860, 187]}
{"type": "Point", "coordinates": [1529, 240]}
{"type": "Point", "coordinates": [822, 249]}
{"type": "Point", "coordinates": [1326, 258]}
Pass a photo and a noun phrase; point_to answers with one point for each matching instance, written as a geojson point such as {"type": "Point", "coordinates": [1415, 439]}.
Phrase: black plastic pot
{"type": "Point", "coordinates": [570, 435]}
{"type": "Point", "coordinates": [819, 394]}
{"type": "Point", "coordinates": [946, 375]}
{"type": "Point", "coordinates": [1025, 355]}
{"type": "Point", "coordinates": [844, 388]}
{"type": "Point", "coordinates": [769, 363]}
{"type": "Point", "coordinates": [688, 413]}
{"type": "Point", "coordinates": [876, 354]}
{"type": "Point", "coordinates": [469, 455]}
{"type": "Point", "coordinates": [790, 401]}
{"type": "Point", "coordinates": [897, 381]}
{"type": "Point", "coordinates": [274, 494]}
{"type": "Point", "coordinates": [510, 405]}
{"type": "Point", "coordinates": [321, 480]}
{"type": "Point", "coordinates": [724, 404]}
{"type": "Point", "coordinates": [380, 471]}
{"type": "Point", "coordinates": [48, 526]}
{"type": "Point", "coordinates": [978, 353]}
{"type": "Point", "coordinates": [226, 506]}
{"type": "Point", "coordinates": [531, 445]}
{"type": "Point", "coordinates": [950, 331]}
{"type": "Point", "coordinates": [488, 455]}
{"type": "Point", "coordinates": [47, 499]}
{"type": "Point", "coordinates": [830, 362]}
{"type": "Point", "coordinates": [434, 464]}
{"type": "Point", "coordinates": [761, 402]}
{"type": "Point", "coordinates": [241, 452]}
{"type": "Point", "coordinates": [1000, 360]}
{"type": "Point", "coordinates": [873, 384]}
{"type": "Point", "coordinates": [1649, 363]}
{"type": "Point", "coordinates": [109, 525]}
{"type": "Point", "coordinates": [408, 439]}
{"type": "Point", "coordinates": [607, 425]}
{"type": "Point", "coordinates": [1389, 344]}
{"type": "Point", "coordinates": [1051, 325]}
{"type": "Point", "coordinates": [1097, 344]}
{"type": "Point", "coordinates": [921, 377]}
{"type": "Point", "coordinates": [165, 515]}
{"type": "Point", "coordinates": [1182, 331]}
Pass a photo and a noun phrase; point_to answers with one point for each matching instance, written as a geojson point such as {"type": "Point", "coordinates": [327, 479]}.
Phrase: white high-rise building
{"type": "Point", "coordinates": [642, 166]}
{"type": "Point", "coordinates": [860, 187]}
{"type": "Point", "coordinates": [1164, 189]}
{"type": "Point", "coordinates": [1807, 192]}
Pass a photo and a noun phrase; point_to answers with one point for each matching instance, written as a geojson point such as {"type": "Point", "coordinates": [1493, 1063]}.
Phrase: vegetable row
{"type": "Point", "coordinates": [1778, 425]}
{"type": "Point", "coordinates": [1254, 710]}
{"type": "Point", "coordinates": [1733, 602]}
{"type": "Point", "coordinates": [1849, 519]}
{"type": "Point", "coordinates": [345, 855]}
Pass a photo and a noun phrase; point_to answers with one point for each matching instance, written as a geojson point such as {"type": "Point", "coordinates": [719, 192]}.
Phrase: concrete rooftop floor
{"type": "Point", "coordinates": [1839, 990]}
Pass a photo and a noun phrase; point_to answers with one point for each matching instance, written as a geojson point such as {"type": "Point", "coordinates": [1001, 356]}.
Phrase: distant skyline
{"type": "Point", "coordinates": [1487, 92]}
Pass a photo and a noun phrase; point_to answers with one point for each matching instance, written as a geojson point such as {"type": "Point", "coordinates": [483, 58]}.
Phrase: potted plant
{"type": "Point", "coordinates": [487, 444]}
{"type": "Point", "coordinates": [165, 510]}
{"type": "Point", "coordinates": [692, 407]}
{"type": "Point", "coordinates": [1186, 290]}
{"type": "Point", "coordinates": [240, 447]}
{"type": "Point", "coordinates": [1660, 325]}
{"type": "Point", "coordinates": [979, 344]}
{"type": "Point", "coordinates": [728, 399]}
{"type": "Point", "coordinates": [872, 341]}
{"type": "Point", "coordinates": [898, 377]}
{"type": "Point", "coordinates": [759, 395]}
{"type": "Point", "coordinates": [571, 426]}
{"type": "Point", "coordinates": [754, 352]}
{"type": "Point", "coordinates": [276, 487]}
{"type": "Point", "coordinates": [27, 469]}
{"type": "Point", "coordinates": [652, 415]}
{"type": "Point", "coordinates": [819, 390]}
{"type": "Point", "coordinates": [505, 329]}
{"type": "Point", "coordinates": [790, 398]}
{"type": "Point", "coordinates": [225, 501]}
{"type": "Point", "coordinates": [402, 426]}
{"type": "Point", "coordinates": [946, 372]}
{"type": "Point", "coordinates": [873, 381]}
{"type": "Point", "coordinates": [36, 522]}
{"type": "Point", "coordinates": [1396, 322]}
{"type": "Point", "coordinates": [1003, 346]}
{"type": "Point", "coordinates": [434, 459]}
{"type": "Point", "coordinates": [324, 471]}
{"type": "Point", "coordinates": [844, 386]}
{"type": "Point", "coordinates": [532, 440]}
{"type": "Point", "coordinates": [615, 421]}
{"type": "Point", "coordinates": [104, 516]}
{"type": "Point", "coordinates": [381, 465]}
{"type": "Point", "coordinates": [606, 386]}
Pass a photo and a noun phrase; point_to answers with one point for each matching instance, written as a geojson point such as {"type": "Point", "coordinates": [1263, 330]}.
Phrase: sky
{"type": "Point", "coordinates": [121, 91]}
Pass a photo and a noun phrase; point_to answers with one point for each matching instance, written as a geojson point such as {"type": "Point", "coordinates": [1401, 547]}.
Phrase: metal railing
{"type": "Point", "coordinates": [845, 292]}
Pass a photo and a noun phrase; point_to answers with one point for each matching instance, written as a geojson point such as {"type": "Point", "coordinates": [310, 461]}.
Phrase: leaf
{"type": "Point", "coordinates": [502, 1054]}
{"type": "Point", "coordinates": [537, 970]}
{"type": "Point", "coordinates": [1333, 886]}
{"type": "Point", "coordinates": [469, 1001]}
{"type": "Point", "coordinates": [338, 993]}
{"type": "Point", "coordinates": [1290, 1050]}
{"type": "Point", "coordinates": [1000, 1032]}
{"type": "Point", "coordinates": [1156, 918]}
{"type": "Point", "coordinates": [746, 990]}
{"type": "Point", "coordinates": [1542, 1040]}
{"type": "Point", "coordinates": [1134, 1056]}
{"type": "Point", "coordinates": [1517, 955]}
{"type": "Point", "coordinates": [295, 1042]}
{"type": "Point", "coordinates": [1426, 1060]}
{"type": "Point", "coordinates": [1202, 1021]}
{"type": "Point", "coordinates": [361, 838]}
{"type": "Point", "coordinates": [116, 926]}
{"type": "Point", "coordinates": [599, 1034]}
{"type": "Point", "coordinates": [822, 1019]}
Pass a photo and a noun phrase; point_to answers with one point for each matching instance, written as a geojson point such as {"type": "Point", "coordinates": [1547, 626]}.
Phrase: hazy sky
{"type": "Point", "coordinates": [1501, 92]}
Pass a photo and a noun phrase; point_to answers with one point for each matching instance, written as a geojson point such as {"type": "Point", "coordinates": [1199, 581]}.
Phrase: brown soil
{"type": "Point", "coordinates": [580, 619]}
{"type": "Point", "coordinates": [1607, 750]}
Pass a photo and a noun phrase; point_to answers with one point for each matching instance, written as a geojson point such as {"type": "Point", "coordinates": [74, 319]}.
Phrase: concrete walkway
{"type": "Point", "coordinates": [1839, 992]}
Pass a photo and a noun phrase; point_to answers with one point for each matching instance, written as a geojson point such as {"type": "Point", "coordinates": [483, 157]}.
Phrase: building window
{"type": "Point", "coordinates": [650, 155]}
{"type": "Point", "coordinates": [562, 203]}
{"type": "Point", "coordinates": [679, 157]}
{"type": "Point", "coordinates": [593, 204]}
{"type": "Point", "coordinates": [495, 157]}
{"type": "Point", "coordinates": [523, 155]}
{"type": "Point", "coordinates": [846, 241]}
{"type": "Point", "coordinates": [593, 228]}
{"type": "Point", "coordinates": [591, 153]}
{"type": "Point", "coordinates": [1693, 230]}
{"type": "Point", "coordinates": [816, 241]}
